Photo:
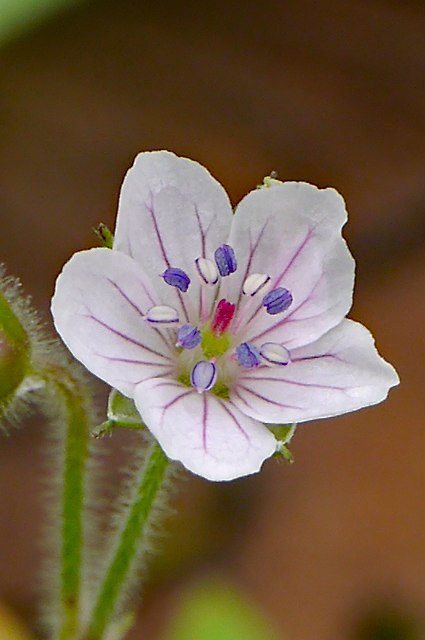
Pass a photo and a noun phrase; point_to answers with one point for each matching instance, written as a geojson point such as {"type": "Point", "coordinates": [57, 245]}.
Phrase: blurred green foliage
{"type": "Point", "coordinates": [214, 610]}
{"type": "Point", "coordinates": [18, 15]}
{"type": "Point", "coordinates": [387, 623]}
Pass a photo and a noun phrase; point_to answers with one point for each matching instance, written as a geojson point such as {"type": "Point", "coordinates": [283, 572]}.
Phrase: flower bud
{"type": "Point", "coordinates": [25, 351]}
{"type": "Point", "coordinates": [15, 346]}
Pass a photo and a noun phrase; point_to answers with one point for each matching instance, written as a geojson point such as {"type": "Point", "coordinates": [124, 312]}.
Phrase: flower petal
{"type": "Point", "coordinates": [98, 308]}
{"type": "Point", "coordinates": [292, 232]}
{"type": "Point", "coordinates": [171, 211]}
{"type": "Point", "coordinates": [207, 434]}
{"type": "Point", "coordinates": [340, 372]}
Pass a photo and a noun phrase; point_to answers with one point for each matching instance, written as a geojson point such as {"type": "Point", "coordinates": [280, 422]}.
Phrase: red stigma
{"type": "Point", "coordinates": [223, 317]}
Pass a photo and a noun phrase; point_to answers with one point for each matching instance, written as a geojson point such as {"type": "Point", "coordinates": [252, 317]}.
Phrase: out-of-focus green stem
{"type": "Point", "coordinates": [73, 410]}
{"type": "Point", "coordinates": [127, 545]}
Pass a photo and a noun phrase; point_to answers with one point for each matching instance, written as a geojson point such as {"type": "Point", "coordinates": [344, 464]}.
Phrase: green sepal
{"type": "Point", "coordinates": [269, 181]}
{"type": "Point", "coordinates": [283, 434]}
{"type": "Point", "coordinates": [122, 409]}
{"type": "Point", "coordinates": [105, 236]}
{"type": "Point", "coordinates": [122, 413]}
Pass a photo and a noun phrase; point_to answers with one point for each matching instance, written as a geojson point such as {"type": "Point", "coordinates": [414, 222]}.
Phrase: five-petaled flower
{"type": "Point", "coordinates": [219, 323]}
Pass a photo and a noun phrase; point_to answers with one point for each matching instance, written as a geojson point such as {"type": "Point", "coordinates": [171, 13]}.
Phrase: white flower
{"type": "Point", "coordinates": [216, 323]}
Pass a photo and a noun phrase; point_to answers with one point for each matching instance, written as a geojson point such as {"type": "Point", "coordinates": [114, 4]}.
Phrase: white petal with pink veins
{"type": "Point", "coordinates": [292, 232]}
{"type": "Point", "coordinates": [171, 211]}
{"type": "Point", "coordinates": [209, 435]}
{"type": "Point", "coordinates": [340, 372]}
{"type": "Point", "coordinates": [98, 308]}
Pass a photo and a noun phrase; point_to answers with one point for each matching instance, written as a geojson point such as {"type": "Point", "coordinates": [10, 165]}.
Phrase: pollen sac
{"type": "Point", "coordinates": [248, 355]}
{"type": "Point", "coordinates": [254, 283]}
{"type": "Point", "coordinates": [188, 337]}
{"type": "Point", "coordinates": [225, 260]}
{"type": "Point", "coordinates": [207, 270]}
{"type": "Point", "coordinates": [203, 376]}
{"type": "Point", "coordinates": [273, 353]}
{"type": "Point", "coordinates": [162, 314]}
{"type": "Point", "coordinates": [277, 300]}
{"type": "Point", "coordinates": [177, 278]}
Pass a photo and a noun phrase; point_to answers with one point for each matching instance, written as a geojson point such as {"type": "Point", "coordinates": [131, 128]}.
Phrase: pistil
{"type": "Point", "coordinates": [223, 317]}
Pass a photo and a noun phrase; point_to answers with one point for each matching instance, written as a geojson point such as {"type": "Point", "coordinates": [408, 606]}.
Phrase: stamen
{"type": "Point", "coordinates": [161, 314]}
{"type": "Point", "coordinates": [248, 355]}
{"type": "Point", "coordinates": [188, 337]}
{"type": "Point", "coordinates": [274, 353]}
{"type": "Point", "coordinates": [225, 260]}
{"type": "Point", "coordinates": [177, 278]}
{"type": "Point", "coordinates": [207, 270]}
{"type": "Point", "coordinates": [203, 376]}
{"type": "Point", "coordinates": [223, 316]}
{"type": "Point", "coordinates": [254, 283]}
{"type": "Point", "coordinates": [277, 300]}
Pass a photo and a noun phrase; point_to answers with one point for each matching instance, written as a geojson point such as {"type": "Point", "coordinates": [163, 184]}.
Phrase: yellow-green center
{"type": "Point", "coordinates": [212, 345]}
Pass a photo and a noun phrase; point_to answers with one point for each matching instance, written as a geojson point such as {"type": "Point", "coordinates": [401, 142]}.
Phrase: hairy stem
{"type": "Point", "coordinates": [130, 537]}
{"type": "Point", "coordinates": [77, 420]}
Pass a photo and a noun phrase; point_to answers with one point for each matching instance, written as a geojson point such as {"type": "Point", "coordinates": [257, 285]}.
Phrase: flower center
{"type": "Point", "coordinates": [202, 344]}
{"type": "Point", "coordinates": [213, 345]}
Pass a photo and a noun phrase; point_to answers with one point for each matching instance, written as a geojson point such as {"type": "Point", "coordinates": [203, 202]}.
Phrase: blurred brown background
{"type": "Point", "coordinates": [331, 92]}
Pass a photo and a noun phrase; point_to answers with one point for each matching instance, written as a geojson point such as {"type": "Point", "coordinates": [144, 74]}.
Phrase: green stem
{"type": "Point", "coordinates": [125, 553]}
{"type": "Point", "coordinates": [77, 421]}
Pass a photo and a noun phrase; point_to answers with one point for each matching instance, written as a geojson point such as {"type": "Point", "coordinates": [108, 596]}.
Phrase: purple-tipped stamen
{"type": "Point", "coordinates": [188, 337]}
{"type": "Point", "coordinates": [161, 314]}
{"type": "Point", "coordinates": [254, 283]}
{"type": "Point", "coordinates": [177, 278]}
{"type": "Point", "coordinates": [248, 355]}
{"type": "Point", "coordinates": [274, 353]}
{"type": "Point", "coordinates": [203, 376]}
{"type": "Point", "coordinates": [277, 300]}
{"type": "Point", "coordinates": [207, 270]}
{"type": "Point", "coordinates": [225, 260]}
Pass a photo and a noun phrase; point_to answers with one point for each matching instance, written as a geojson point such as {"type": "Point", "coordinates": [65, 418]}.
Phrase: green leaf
{"type": "Point", "coordinates": [19, 15]}
{"type": "Point", "coordinates": [217, 611]}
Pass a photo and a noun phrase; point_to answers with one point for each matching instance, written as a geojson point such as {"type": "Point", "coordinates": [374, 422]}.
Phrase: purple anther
{"type": "Point", "coordinates": [225, 260]}
{"type": "Point", "coordinates": [248, 355]}
{"type": "Point", "coordinates": [188, 337]}
{"type": "Point", "coordinates": [177, 278]}
{"type": "Point", "coordinates": [277, 300]}
{"type": "Point", "coordinates": [203, 376]}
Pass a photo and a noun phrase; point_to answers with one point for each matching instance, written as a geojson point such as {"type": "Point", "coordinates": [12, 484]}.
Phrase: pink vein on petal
{"type": "Point", "coordinates": [158, 235]}
{"type": "Point", "coordinates": [261, 397]}
{"type": "Point", "coordinates": [125, 296]}
{"type": "Point", "coordinates": [295, 383]}
{"type": "Point", "coordinates": [131, 361]}
{"type": "Point", "coordinates": [124, 336]}
{"type": "Point", "coordinates": [201, 231]}
{"type": "Point", "coordinates": [237, 423]}
{"type": "Point", "coordinates": [204, 422]}
{"type": "Point", "coordinates": [174, 401]}
{"type": "Point", "coordinates": [279, 278]}
{"type": "Point", "coordinates": [252, 250]}
{"type": "Point", "coordinates": [287, 319]}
